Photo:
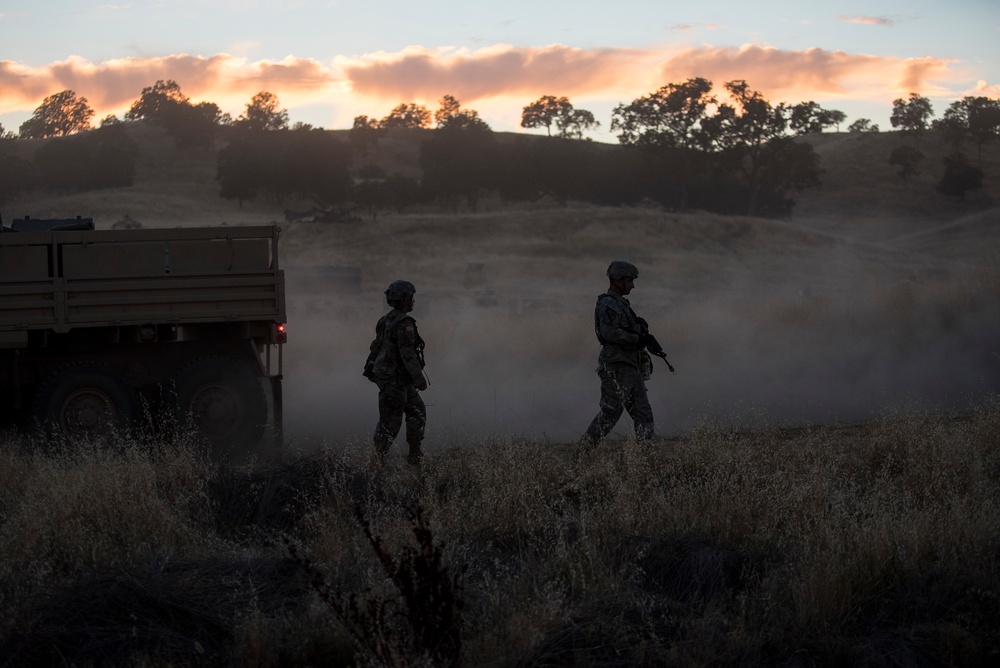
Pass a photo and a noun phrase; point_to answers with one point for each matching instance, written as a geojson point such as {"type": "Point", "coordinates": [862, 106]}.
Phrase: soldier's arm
{"type": "Point", "coordinates": [610, 321]}
{"type": "Point", "coordinates": [373, 351]}
{"type": "Point", "coordinates": [406, 337]}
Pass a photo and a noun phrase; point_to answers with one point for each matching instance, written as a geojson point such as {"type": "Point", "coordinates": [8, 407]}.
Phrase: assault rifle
{"type": "Point", "coordinates": [649, 342]}
{"type": "Point", "coordinates": [654, 348]}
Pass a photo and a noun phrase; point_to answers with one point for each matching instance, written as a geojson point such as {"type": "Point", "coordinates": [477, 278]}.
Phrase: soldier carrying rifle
{"type": "Point", "coordinates": [623, 364]}
{"type": "Point", "coordinates": [396, 364]}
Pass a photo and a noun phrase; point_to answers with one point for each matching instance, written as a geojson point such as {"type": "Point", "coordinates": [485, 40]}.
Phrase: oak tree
{"type": "Point", "coordinates": [156, 101]}
{"type": "Point", "coordinates": [668, 126]}
{"type": "Point", "coordinates": [863, 125]}
{"type": "Point", "coordinates": [451, 116]}
{"type": "Point", "coordinates": [810, 118]}
{"type": "Point", "coordinates": [974, 118]}
{"type": "Point", "coordinates": [407, 115]}
{"type": "Point", "coordinates": [263, 113]}
{"type": "Point", "coordinates": [550, 110]}
{"type": "Point", "coordinates": [912, 115]}
{"type": "Point", "coordinates": [59, 115]}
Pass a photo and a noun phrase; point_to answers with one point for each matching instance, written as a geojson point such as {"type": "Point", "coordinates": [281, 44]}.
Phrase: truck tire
{"type": "Point", "coordinates": [223, 400]}
{"type": "Point", "coordinates": [85, 400]}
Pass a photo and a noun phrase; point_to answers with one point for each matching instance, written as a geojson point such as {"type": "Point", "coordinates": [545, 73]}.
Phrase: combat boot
{"type": "Point", "coordinates": [416, 454]}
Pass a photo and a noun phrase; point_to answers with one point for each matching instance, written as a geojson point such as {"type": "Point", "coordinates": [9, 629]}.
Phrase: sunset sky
{"type": "Point", "coordinates": [331, 60]}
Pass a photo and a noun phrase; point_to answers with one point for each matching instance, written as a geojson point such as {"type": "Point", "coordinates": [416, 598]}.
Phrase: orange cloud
{"type": "Point", "coordinates": [602, 73]}
{"type": "Point", "coordinates": [419, 73]}
{"type": "Point", "coordinates": [983, 89]}
{"type": "Point", "coordinates": [809, 73]}
{"type": "Point", "coordinates": [498, 76]}
{"type": "Point", "coordinates": [111, 86]}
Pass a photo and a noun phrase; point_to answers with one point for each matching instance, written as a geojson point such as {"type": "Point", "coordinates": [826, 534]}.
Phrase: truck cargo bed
{"type": "Point", "coordinates": [68, 279]}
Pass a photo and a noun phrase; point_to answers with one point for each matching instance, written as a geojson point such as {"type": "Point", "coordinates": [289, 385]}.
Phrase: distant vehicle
{"type": "Point", "coordinates": [99, 328]}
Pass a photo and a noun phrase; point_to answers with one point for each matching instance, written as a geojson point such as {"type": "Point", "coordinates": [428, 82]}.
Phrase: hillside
{"type": "Point", "coordinates": [860, 195]}
{"type": "Point", "coordinates": [872, 294]}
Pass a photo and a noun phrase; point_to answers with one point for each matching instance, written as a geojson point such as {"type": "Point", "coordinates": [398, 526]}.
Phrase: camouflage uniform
{"type": "Point", "coordinates": [618, 329]}
{"type": "Point", "coordinates": [395, 363]}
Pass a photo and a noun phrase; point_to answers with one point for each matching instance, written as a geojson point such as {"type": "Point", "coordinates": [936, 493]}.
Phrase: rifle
{"type": "Point", "coordinates": [654, 348]}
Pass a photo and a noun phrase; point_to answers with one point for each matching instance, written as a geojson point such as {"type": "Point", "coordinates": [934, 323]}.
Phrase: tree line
{"type": "Point", "coordinates": [686, 149]}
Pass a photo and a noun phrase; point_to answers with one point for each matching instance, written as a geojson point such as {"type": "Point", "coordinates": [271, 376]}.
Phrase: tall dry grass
{"type": "Point", "coordinates": [875, 544]}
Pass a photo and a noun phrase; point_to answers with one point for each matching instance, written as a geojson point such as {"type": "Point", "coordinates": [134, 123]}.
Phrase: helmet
{"type": "Point", "coordinates": [399, 290]}
{"type": "Point", "coordinates": [622, 269]}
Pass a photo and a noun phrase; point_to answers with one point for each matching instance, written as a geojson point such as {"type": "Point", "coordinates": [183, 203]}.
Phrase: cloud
{"type": "Point", "coordinates": [809, 73]}
{"type": "Point", "coordinates": [499, 70]}
{"type": "Point", "coordinates": [494, 77]}
{"type": "Point", "coordinates": [983, 89]}
{"type": "Point", "coordinates": [111, 86]}
{"type": "Point", "coordinates": [868, 20]}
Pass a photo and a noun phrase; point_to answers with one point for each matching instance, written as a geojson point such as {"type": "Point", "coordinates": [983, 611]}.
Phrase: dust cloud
{"type": "Point", "coordinates": [832, 333]}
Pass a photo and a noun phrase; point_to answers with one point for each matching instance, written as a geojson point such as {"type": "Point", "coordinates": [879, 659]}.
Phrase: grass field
{"type": "Point", "coordinates": [873, 544]}
{"type": "Point", "coordinates": [824, 491]}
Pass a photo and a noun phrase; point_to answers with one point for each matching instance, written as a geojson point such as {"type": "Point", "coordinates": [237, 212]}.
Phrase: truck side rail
{"type": "Point", "coordinates": [62, 280]}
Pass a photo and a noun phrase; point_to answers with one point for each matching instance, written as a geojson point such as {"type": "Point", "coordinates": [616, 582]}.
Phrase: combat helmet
{"type": "Point", "coordinates": [622, 269]}
{"type": "Point", "coordinates": [399, 291]}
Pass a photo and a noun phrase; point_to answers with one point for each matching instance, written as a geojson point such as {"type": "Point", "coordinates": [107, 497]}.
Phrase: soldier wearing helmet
{"type": "Point", "coordinates": [395, 363]}
{"type": "Point", "coordinates": [623, 335]}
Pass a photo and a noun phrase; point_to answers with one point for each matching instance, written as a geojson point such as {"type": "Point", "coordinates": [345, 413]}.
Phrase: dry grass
{"type": "Point", "coordinates": [873, 543]}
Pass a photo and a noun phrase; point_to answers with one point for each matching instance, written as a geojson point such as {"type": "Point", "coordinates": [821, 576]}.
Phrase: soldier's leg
{"type": "Point", "coordinates": [611, 406]}
{"type": "Point", "coordinates": [416, 421]}
{"type": "Point", "coordinates": [391, 401]}
{"type": "Point", "coordinates": [637, 403]}
{"type": "Point", "coordinates": [416, 415]}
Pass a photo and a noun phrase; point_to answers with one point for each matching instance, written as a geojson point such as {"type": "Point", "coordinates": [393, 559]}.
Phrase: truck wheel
{"type": "Point", "coordinates": [85, 400]}
{"type": "Point", "coordinates": [223, 400]}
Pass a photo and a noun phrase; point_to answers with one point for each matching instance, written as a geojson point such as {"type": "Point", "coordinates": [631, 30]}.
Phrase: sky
{"type": "Point", "coordinates": [329, 61]}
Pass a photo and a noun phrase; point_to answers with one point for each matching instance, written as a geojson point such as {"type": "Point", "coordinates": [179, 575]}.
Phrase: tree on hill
{"type": "Point", "coordinates": [4, 134]}
{"type": "Point", "coordinates": [974, 118]}
{"type": "Point", "coordinates": [263, 114]}
{"type": "Point", "coordinates": [407, 115]}
{"type": "Point", "coordinates": [906, 158]}
{"type": "Point", "coordinates": [672, 116]}
{"type": "Point", "coordinates": [863, 125]}
{"type": "Point", "coordinates": [363, 134]}
{"type": "Point", "coordinates": [553, 167]}
{"type": "Point", "coordinates": [693, 149]}
{"type": "Point", "coordinates": [667, 126]}
{"type": "Point", "coordinates": [460, 162]}
{"type": "Point", "coordinates": [193, 126]}
{"type": "Point", "coordinates": [451, 116]}
{"type": "Point", "coordinates": [59, 115]}
{"type": "Point", "coordinates": [190, 125]}
{"type": "Point", "coordinates": [789, 165]}
{"type": "Point", "coordinates": [959, 177]}
{"type": "Point", "coordinates": [375, 190]}
{"type": "Point", "coordinates": [280, 164]}
{"type": "Point", "coordinates": [17, 174]}
{"type": "Point", "coordinates": [542, 112]}
{"type": "Point", "coordinates": [550, 110]}
{"type": "Point", "coordinates": [572, 125]}
{"type": "Point", "coordinates": [745, 133]}
{"type": "Point", "coordinates": [102, 158]}
{"type": "Point", "coordinates": [155, 101]}
{"type": "Point", "coordinates": [912, 115]}
{"type": "Point", "coordinates": [810, 118]}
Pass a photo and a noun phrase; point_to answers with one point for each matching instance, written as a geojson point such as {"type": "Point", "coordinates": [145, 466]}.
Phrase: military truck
{"type": "Point", "coordinates": [108, 330]}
